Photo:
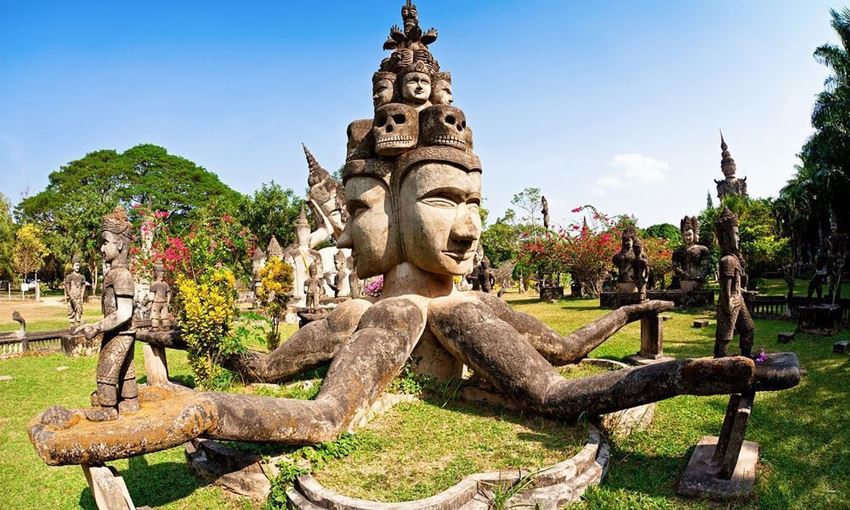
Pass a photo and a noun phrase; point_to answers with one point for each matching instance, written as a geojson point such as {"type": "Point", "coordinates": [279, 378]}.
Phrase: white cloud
{"type": "Point", "coordinates": [610, 181]}
{"type": "Point", "coordinates": [640, 168]}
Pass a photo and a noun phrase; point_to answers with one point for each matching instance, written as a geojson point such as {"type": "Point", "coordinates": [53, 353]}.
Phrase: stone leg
{"type": "Point", "coordinates": [471, 331]}
{"type": "Point", "coordinates": [563, 350]}
{"type": "Point", "coordinates": [156, 364]}
{"type": "Point", "coordinates": [746, 331]}
{"type": "Point", "coordinates": [725, 329]}
{"type": "Point", "coordinates": [109, 490]}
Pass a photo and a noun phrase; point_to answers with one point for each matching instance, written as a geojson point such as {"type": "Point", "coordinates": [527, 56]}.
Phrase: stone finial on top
{"type": "Point", "coordinates": [274, 250]}
{"type": "Point", "coordinates": [410, 45]}
{"type": "Point", "coordinates": [727, 164]}
{"type": "Point", "coordinates": [302, 219]}
{"type": "Point", "coordinates": [259, 254]}
{"type": "Point", "coordinates": [317, 173]}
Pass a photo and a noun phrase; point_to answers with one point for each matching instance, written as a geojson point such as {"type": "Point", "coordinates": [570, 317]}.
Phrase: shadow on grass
{"type": "Point", "coordinates": [152, 485]}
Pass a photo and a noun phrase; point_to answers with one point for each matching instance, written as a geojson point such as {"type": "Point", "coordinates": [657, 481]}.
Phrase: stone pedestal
{"type": "Point", "coordinates": [551, 293]}
{"type": "Point", "coordinates": [651, 341]}
{"type": "Point", "coordinates": [724, 467]}
{"type": "Point", "coordinates": [78, 345]}
{"type": "Point", "coordinates": [156, 365]}
{"type": "Point", "coordinates": [819, 319]}
{"type": "Point", "coordinates": [108, 488]}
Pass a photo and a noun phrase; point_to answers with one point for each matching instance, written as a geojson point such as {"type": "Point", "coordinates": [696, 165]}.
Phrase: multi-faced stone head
{"type": "Point", "coordinates": [438, 213]}
{"type": "Point", "coordinates": [382, 88]}
{"type": "Point", "coordinates": [441, 90]}
{"type": "Point", "coordinates": [416, 88]}
{"type": "Point", "coordinates": [444, 125]}
{"type": "Point", "coordinates": [369, 232]}
{"type": "Point", "coordinates": [395, 129]}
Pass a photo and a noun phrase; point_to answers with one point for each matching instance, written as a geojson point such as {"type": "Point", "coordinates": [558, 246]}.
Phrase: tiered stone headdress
{"type": "Point", "coordinates": [402, 133]}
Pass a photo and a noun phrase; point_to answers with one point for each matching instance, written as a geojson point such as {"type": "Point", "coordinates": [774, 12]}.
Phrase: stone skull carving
{"type": "Point", "coordinates": [396, 129]}
{"type": "Point", "coordinates": [445, 125]}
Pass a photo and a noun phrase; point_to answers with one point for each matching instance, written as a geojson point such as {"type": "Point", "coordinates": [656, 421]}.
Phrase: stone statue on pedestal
{"type": "Point", "coordinates": [624, 262]}
{"type": "Point", "coordinates": [640, 269]}
{"type": "Point", "coordinates": [731, 185]}
{"type": "Point", "coordinates": [75, 290]}
{"type": "Point", "coordinates": [300, 257]}
{"type": "Point", "coordinates": [314, 288]}
{"type": "Point", "coordinates": [732, 313]}
{"type": "Point", "coordinates": [691, 261]}
{"type": "Point", "coordinates": [116, 375]}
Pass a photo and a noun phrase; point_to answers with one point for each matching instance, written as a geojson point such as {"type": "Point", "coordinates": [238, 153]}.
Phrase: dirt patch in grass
{"type": "Point", "coordinates": [421, 448]}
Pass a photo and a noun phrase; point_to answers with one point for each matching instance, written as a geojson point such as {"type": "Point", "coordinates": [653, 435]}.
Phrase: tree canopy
{"type": "Point", "coordinates": [271, 210]}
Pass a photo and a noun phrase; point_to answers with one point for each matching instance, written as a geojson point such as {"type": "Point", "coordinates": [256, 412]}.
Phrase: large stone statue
{"type": "Point", "coordinates": [819, 276]}
{"type": "Point", "coordinates": [314, 288]}
{"type": "Point", "coordinates": [485, 276]}
{"type": "Point", "coordinates": [624, 261]}
{"type": "Point", "coordinates": [339, 278]}
{"type": "Point", "coordinates": [730, 185]}
{"type": "Point", "coordinates": [161, 298]}
{"type": "Point", "coordinates": [544, 210]}
{"type": "Point", "coordinates": [691, 261]}
{"type": "Point", "coordinates": [353, 280]}
{"type": "Point", "coordinates": [732, 313]}
{"type": "Point", "coordinates": [415, 220]}
{"type": "Point", "coordinates": [116, 375]}
{"type": "Point", "coordinates": [640, 269]}
{"type": "Point", "coordinates": [75, 290]}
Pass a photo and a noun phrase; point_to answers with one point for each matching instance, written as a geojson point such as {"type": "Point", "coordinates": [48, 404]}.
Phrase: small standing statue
{"type": "Point", "coordinates": [353, 279]}
{"type": "Point", "coordinates": [314, 288]}
{"type": "Point", "coordinates": [161, 298]}
{"type": "Point", "coordinates": [75, 290]}
{"type": "Point", "coordinates": [819, 276]}
{"type": "Point", "coordinates": [640, 269]}
{"type": "Point", "coordinates": [116, 376]}
{"type": "Point", "coordinates": [732, 313]}
{"type": "Point", "coordinates": [624, 260]}
{"type": "Point", "coordinates": [485, 276]}
{"type": "Point", "coordinates": [545, 211]}
{"type": "Point", "coordinates": [339, 281]}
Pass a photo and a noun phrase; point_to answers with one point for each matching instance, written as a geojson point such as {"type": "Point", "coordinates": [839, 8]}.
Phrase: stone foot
{"type": "Point", "coordinates": [98, 414]}
{"type": "Point", "coordinates": [130, 405]}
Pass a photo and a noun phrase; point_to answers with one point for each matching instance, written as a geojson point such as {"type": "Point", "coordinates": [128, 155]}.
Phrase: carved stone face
{"type": "Point", "coordinates": [369, 233]}
{"type": "Point", "coordinates": [112, 246]}
{"type": "Point", "coordinates": [444, 125]}
{"type": "Point", "coordinates": [688, 237]}
{"type": "Point", "coordinates": [729, 240]}
{"type": "Point", "coordinates": [302, 236]}
{"type": "Point", "coordinates": [382, 92]}
{"type": "Point", "coordinates": [158, 274]}
{"type": "Point", "coordinates": [627, 243]}
{"type": "Point", "coordinates": [76, 267]}
{"type": "Point", "coordinates": [439, 218]}
{"type": "Point", "coordinates": [442, 92]}
{"type": "Point", "coordinates": [396, 129]}
{"type": "Point", "coordinates": [416, 88]}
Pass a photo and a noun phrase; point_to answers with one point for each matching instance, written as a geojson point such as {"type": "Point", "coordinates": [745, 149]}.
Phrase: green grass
{"type": "Point", "coordinates": [777, 287]}
{"type": "Point", "coordinates": [418, 449]}
{"type": "Point", "coordinates": [804, 433]}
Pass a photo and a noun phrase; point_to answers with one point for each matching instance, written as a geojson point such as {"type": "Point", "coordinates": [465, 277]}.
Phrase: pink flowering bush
{"type": "Point", "coordinates": [375, 286]}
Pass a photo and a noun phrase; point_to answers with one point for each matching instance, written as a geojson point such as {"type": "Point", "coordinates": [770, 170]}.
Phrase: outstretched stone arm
{"type": "Point", "coordinates": [563, 350]}
{"type": "Point", "coordinates": [311, 346]}
{"type": "Point", "coordinates": [492, 347]}
{"type": "Point", "coordinates": [361, 370]}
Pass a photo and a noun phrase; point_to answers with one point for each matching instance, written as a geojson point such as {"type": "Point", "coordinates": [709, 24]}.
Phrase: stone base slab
{"type": "Point", "coordinates": [698, 480]}
{"type": "Point", "coordinates": [637, 359]}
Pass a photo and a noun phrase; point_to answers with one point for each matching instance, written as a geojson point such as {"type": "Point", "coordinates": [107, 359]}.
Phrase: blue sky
{"type": "Point", "coordinates": [617, 104]}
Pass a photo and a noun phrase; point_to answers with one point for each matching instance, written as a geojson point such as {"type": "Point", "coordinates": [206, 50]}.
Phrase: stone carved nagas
{"type": "Point", "coordinates": [691, 261]}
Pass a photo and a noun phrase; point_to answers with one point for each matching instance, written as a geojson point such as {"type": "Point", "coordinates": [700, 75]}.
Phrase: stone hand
{"type": "Point", "coordinates": [89, 330]}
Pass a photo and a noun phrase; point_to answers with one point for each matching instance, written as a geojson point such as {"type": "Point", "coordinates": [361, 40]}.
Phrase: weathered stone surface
{"type": "Point", "coordinates": [785, 337]}
{"type": "Point", "coordinates": [680, 298]}
{"type": "Point", "coordinates": [700, 323]}
{"type": "Point", "coordinates": [700, 477]}
{"type": "Point", "coordinates": [841, 347]}
{"type": "Point", "coordinates": [164, 420]}
{"type": "Point", "coordinates": [4, 378]}
{"type": "Point", "coordinates": [237, 471]}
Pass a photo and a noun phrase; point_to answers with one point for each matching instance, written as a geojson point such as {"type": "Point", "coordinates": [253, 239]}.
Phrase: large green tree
{"type": "Point", "coordinates": [7, 238]}
{"type": "Point", "coordinates": [77, 196]}
{"type": "Point", "coordinates": [271, 210]}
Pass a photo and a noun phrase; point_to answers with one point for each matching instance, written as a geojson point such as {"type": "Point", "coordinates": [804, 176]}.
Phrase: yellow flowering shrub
{"type": "Point", "coordinates": [273, 292]}
{"type": "Point", "coordinates": [207, 313]}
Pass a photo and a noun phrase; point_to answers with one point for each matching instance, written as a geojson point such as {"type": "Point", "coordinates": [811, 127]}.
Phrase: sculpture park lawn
{"type": "Point", "coordinates": [803, 432]}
